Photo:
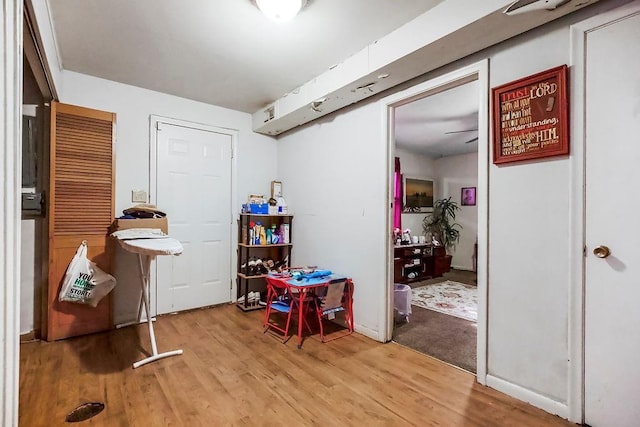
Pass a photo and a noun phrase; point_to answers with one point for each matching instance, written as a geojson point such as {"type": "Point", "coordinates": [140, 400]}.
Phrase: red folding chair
{"type": "Point", "coordinates": [282, 304]}
{"type": "Point", "coordinates": [337, 298]}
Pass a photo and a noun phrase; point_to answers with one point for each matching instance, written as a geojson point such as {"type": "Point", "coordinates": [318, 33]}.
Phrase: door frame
{"type": "Point", "coordinates": [154, 122]}
{"type": "Point", "coordinates": [477, 71]}
{"type": "Point", "coordinates": [10, 208]}
{"type": "Point", "coordinates": [577, 237]}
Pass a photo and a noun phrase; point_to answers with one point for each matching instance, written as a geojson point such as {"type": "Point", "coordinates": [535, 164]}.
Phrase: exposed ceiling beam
{"type": "Point", "coordinates": [448, 32]}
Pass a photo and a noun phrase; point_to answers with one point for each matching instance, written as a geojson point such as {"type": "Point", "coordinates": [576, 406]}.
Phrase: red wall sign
{"type": "Point", "coordinates": [530, 117]}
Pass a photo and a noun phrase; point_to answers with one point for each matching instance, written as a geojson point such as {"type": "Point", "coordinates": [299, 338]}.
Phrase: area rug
{"type": "Point", "coordinates": [452, 298]}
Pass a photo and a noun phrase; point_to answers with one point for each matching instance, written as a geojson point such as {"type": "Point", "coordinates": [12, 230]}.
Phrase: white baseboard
{"type": "Point", "coordinates": [367, 332]}
{"type": "Point", "coordinates": [459, 267]}
{"type": "Point", "coordinates": [545, 403]}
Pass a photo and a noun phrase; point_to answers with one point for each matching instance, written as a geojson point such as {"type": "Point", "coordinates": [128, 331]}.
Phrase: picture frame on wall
{"type": "Point", "coordinates": [468, 196]}
{"type": "Point", "coordinates": [276, 189]}
{"type": "Point", "coordinates": [530, 117]}
{"type": "Point", "coordinates": [418, 195]}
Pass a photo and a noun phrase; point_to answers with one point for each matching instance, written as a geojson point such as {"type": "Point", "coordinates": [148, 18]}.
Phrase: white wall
{"type": "Point", "coordinates": [335, 183]}
{"type": "Point", "coordinates": [455, 172]}
{"type": "Point", "coordinates": [256, 154]}
{"type": "Point", "coordinates": [416, 166]}
{"type": "Point", "coordinates": [529, 254]}
{"type": "Point", "coordinates": [336, 172]}
{"type": "Point", "coordinates": [450, 174]}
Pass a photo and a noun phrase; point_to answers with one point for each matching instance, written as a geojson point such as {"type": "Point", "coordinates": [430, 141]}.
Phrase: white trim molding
{"type": "Point", "coordinates": [536, 399]}
{"type": "Point", "coordinates": [10, 165]}
{"type": "Point", "coordinates": [578, 34]}
{"type": "Point", "coordinates": [478, 71]}
{"type": "Point", "coordinates": [154, 122]}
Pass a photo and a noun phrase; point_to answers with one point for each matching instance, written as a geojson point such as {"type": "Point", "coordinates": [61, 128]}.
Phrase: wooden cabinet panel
{"type": "Point", "coordinates": [441, 265]}
{"type": "Point", "coordinates": [80, 207]}
{"type": "Point", "coordinates": [413, 263]}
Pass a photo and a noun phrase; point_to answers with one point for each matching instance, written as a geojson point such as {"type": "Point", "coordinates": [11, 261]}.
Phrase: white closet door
{"type": "Point", "coordinates": [194, 189]}
{"type": "Point", "coordinates": [612, 288]}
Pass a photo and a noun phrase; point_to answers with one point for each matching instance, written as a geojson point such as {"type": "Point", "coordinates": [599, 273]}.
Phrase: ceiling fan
{"type": "Point", "coordinates": [463, 131]}
{"type": "Point", "coordinates": [460, 131]}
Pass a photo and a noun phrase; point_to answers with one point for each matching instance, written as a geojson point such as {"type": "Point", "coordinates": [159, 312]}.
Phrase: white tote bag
{"type": "Point", "coordinates": [84, 282]}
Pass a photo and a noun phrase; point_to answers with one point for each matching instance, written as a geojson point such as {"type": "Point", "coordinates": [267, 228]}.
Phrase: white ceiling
{"type": "Point", "coordinates": [222, 52]}
{"type": "Point", "coordinates": [226, 53]}
{"type": "Point", "coordinates": [439, 125]}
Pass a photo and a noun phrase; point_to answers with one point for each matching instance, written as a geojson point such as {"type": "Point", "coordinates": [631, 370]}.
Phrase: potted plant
{"type": "Point", "coordinates": [441, 225]}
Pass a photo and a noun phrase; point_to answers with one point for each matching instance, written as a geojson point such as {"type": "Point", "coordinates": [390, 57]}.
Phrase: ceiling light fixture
{"type": "Point", "coordinates": [280, 10]}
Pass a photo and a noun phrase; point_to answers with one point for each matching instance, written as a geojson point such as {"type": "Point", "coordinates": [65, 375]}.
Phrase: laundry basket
{"type": "Point", "coordinates": [402, 301]}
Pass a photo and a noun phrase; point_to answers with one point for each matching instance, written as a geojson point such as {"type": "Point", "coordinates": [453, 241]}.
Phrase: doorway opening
{"type": "Point", "coordinates": [438, 134]}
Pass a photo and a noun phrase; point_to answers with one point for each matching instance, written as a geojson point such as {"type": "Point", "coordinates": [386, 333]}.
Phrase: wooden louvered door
{"type": "Point", "coordinates": [81, 207]}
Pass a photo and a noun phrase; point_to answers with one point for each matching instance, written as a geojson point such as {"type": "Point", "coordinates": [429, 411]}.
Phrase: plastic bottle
{"type": "Point", "coordinates": [263, 236]}
{"type": "Point", "coordinates": [282, 205]}
{"type": "Point", "coordinates": [257, 233]}
{"type": "Point", "coordinates": [269, 236]}
{"type": "Point", "coordinates": [275, 239]}
{"type": "Point", "coordinates": [285, 233]}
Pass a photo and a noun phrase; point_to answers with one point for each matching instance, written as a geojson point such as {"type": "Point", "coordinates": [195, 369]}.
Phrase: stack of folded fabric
{"type": "Point", "coordinates": [139, 233]}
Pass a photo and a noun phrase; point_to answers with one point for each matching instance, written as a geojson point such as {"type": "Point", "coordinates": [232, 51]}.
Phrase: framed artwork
{"type": "Point", "coordinates": [530, 118]}
{"type": "Point", "coordinates": [418, 195]}
{"type": "Point", "coordinates": [468, 196]}
{"type": "Point", "coordinates": [276, 189]}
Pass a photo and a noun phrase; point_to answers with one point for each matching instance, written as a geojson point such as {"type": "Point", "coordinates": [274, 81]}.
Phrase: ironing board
{"type": "Point", "coordinates": [147, 249]}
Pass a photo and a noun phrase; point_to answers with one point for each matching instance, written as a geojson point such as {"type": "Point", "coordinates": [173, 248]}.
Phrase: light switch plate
{"type": "Point", "coordinates": [138, 196]}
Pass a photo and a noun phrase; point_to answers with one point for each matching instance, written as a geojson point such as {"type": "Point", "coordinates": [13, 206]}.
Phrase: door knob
{"type": "Point", "coordinates": [602, 251]}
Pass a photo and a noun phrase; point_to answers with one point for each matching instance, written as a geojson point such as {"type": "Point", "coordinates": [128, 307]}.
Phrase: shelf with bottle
{"type": "Point", "coordinates": [264, 245]}
{"type": "Point", "coordinates": [264, 230]}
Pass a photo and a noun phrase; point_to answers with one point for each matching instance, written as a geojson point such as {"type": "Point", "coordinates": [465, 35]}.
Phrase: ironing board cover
{"type": "Point", "coordinates": [163, 246]}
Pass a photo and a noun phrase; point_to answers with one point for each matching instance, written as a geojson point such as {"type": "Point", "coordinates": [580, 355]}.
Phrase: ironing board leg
{"type": "Point", "coordinates": [144, 281]}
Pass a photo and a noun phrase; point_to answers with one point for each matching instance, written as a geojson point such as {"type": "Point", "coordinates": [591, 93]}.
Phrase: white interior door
{"type": "Point", "coordinates": [194, 189]}
{"type": "Point", "coordinates": [612, 316]}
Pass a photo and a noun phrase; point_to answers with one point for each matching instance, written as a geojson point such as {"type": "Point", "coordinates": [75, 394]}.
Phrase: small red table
{"type": "Point", "coordinates": [306, 287]}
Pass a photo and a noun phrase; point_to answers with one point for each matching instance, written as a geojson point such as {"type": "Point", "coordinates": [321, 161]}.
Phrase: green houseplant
{"type": "Point", "coordinates": [441, 225]}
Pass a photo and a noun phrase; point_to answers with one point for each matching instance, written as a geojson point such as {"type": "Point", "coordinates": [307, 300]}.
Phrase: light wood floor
{"type": "Point", "coordinates": [233, 374]}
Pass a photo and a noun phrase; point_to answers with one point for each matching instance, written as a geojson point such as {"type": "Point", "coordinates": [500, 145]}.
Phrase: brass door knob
{"type": "Point", "coordinates": [602, 251]}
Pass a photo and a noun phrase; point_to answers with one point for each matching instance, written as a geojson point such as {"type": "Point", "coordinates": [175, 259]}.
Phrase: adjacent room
{"type": "Point", "coordinates": [361, 212]}
{"type": "Point", "coordinates": [435, 252]}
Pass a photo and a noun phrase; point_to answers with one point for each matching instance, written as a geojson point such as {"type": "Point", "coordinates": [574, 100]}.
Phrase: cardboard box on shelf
{"type": "Point", "coordinates": [124, 224]}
